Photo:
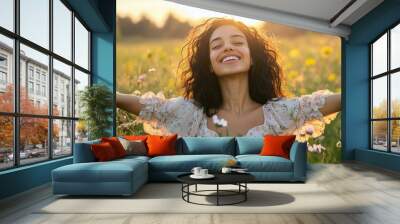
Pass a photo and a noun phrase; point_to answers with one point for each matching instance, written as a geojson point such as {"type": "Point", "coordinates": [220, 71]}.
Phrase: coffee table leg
{"type": "Point", "coordinates": [217, 194]}
{"type": "Point", "coordinates": [196, 188]}
{"type": "Point", "coordinates": [245, 193]}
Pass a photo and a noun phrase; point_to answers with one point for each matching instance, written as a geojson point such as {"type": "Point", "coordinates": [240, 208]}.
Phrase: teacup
{"type": "Point", "coordinates": [196, 170]}
{"type": "Point", "coordinates": [203, 172]}
{"type": "Point", "coordinates": [226, 170]}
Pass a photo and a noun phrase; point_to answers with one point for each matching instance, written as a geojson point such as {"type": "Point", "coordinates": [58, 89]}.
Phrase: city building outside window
{"type": "Point", "coordinates": [58, 123]}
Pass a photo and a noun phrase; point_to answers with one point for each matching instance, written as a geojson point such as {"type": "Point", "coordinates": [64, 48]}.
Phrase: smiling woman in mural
{"type": "Point", "coordinates": [232, 86]}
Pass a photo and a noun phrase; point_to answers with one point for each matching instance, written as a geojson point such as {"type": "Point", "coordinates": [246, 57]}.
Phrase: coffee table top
{"type": "Point", "coordinates": [220, 178]}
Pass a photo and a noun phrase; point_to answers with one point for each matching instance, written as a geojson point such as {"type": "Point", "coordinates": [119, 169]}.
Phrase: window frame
{"type": "Point", "coordinates": [16, 114]}
{"type": "Point", "coordinates": [388, 74]}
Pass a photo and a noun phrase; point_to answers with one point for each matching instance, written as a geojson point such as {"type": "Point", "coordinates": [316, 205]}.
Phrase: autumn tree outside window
{"type": "Point", "coordinates": [44, 64]}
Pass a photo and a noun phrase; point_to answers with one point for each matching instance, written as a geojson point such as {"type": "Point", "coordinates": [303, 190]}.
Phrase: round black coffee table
{"type": "Point", "coordinates": [238, 179]}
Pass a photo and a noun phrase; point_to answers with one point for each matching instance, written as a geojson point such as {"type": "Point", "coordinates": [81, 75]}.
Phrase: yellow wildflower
{"type": "Point", "coordinates": [332, 77]}
{"type": "Point", "coordinates": [294, 53]}
{"type": "Point", "coordinates": [326, 51]}
{"type": "Point", "coordinates": [310, 62]}
{"type": "Point", "coordinates": [293, 74]}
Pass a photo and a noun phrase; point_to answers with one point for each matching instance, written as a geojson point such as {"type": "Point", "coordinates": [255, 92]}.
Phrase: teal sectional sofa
{"type": "Point", "coordinates": [125, 176]}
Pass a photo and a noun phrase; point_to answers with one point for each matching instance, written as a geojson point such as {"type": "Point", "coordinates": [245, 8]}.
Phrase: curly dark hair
{"type": "Point", "coordinates": [201, 84]}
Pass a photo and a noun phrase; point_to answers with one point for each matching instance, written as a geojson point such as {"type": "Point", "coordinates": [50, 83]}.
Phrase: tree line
{"type": "Point", "coordinates": [174, 28]}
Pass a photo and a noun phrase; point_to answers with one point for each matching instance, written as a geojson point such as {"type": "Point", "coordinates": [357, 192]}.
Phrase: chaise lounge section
{"type": "Point", "coordinates": [125, 176]}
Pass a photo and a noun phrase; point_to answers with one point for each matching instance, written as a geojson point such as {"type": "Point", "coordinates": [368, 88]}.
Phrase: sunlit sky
{"type": "Point", "coordinates": [158, 10]}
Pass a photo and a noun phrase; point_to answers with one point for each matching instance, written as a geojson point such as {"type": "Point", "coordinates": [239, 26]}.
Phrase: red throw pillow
{"type": "Point", "coordinates": [116, 145]}
{"type": "Point", "coordinates": [103, 151]}
{"type": "Point", "coordinates": [161, 145]}
{"type": "Point", "coordinates": [277, 145]}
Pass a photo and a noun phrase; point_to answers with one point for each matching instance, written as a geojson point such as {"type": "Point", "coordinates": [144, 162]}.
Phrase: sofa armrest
{"type": "Point", "coordinates": [83, 152]}
{"type": "Point", "coordinates": [298, 155]}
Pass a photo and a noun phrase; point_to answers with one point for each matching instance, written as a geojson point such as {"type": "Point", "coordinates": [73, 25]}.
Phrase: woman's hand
{"type": "Point", "coordinates": [332, 104]}
{"type": "Point", "coordinates": [129, 103]}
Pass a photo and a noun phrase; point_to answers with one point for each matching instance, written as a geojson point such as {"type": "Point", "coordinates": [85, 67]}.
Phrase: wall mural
{"type": "Point", "coordinates": [196, 72]}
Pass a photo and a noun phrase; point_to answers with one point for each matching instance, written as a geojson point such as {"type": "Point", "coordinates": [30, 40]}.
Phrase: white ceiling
{"type": "Point", "coordinates": [314, 15]}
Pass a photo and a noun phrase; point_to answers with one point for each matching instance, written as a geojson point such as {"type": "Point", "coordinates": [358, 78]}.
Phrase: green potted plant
{"type": "Point", "coordinates": [96, 104]}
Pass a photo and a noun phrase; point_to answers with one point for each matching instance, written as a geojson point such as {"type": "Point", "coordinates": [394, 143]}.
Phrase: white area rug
{"type": "Point", "coordinates": [166, 198]}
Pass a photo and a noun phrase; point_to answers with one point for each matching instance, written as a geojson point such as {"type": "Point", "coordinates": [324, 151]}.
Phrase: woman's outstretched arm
{"type": "Point", "coordinates": [129, 103]}
{"type": "Point", "coordinates": [332, 104]}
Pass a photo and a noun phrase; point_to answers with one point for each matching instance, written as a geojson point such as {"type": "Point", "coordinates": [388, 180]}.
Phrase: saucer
{"type": "Point", "coordinates": [208, 176]}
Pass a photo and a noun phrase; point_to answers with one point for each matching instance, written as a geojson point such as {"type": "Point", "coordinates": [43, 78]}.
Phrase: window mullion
{"type": "Point", "coordinates": [73, 83]}
{"type": "Point", "coordinates": [16, 84]}
{"type": "Point", "coordinates": [389, 106]}
{"type": "Point", "coordinates": [50, 81]}
{"type": "Point", "coordinates": [370, 98]}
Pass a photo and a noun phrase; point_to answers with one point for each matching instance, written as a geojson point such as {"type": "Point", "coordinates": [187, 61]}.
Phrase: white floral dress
{"type": "Point", "coordinates": [284, 116]}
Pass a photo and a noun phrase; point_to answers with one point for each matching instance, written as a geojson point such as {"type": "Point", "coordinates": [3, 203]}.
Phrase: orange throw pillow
{"type": "Point", "coordinates": [135, 137]}
{"type": "Point", "coordinates": [277, 145]}
{"type": "Point", "coordinates": [161, 145]}
{"type": "Point", "coordinates": [116, 145]}
{"type": "Point", "coordinates": [103, 151]}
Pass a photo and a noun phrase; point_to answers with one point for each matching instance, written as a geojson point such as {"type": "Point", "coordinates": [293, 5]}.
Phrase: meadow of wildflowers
{"type": "Point", "coordinates": [310, 62]}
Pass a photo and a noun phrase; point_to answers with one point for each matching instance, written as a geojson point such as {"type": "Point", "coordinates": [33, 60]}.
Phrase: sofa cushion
{"type": "Point", "coordinates": [111, 171]}
{"type": "Point", "coordinates": [83, 152]}
{"type": "Point", "coordinates": [257, 163]}
{"type": "Point", "coordinates": [249, 145]}
{"type": "Point", "coordinates": [185, 163]}
{"type": "Point", "coordinates": [206, 145]}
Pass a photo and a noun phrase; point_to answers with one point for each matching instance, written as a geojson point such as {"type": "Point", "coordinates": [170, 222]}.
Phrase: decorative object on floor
{"type": "Point", "coordinates": [277, 145]}
{"type": "Point", "coordinates": [240, 180]}
{"type": "Point", "coordinates": [96, 104]}
{"type": "Point", "coordinates": [155, 198]}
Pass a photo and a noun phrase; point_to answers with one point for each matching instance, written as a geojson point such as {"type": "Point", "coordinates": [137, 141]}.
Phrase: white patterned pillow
{"type": "Point", "coordinates": [136, 147]}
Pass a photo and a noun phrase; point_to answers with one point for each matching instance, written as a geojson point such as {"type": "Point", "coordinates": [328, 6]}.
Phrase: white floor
{"type": "Point", "coordinates": [377, 189]}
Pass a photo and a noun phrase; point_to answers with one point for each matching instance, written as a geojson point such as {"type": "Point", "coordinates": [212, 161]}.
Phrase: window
{"type": "Point", "coordinates": [3, 71]}
{"type": "Point", "coordinates": [44, 91]}
{"type": "Point", "coordinates": [30, 87]}
{"type": "Point", "coordinates": [385, 94]}
{"type": "Point", "coordinates": [3, 61]}
{"type": "Point", "coordinates": [7, 75]}
{"type": "Point", "coordinates": [3, 78]}
{"type": "Point", "coordinates": [30, 72]}
{"type": "Point", "coordinates": [34, 26]}
{"type": "Point", "coordinates": [7, 14]}
{"type": "Point", "coordinates": [37, 74]}
{"type": "Point", "coordinates": [38, 89]}
{"type": "Point", "coordinates": [81, 45]}
{"type": "Point", "coordinates": [47, 76]}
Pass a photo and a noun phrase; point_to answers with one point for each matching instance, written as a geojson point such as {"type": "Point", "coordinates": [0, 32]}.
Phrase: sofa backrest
{"type": "Point", "coordinates": [206, 145]}
{"type": "Point", "coordinates": [83, 152]}
{"type": "Point", "coordinates": [249, 145]}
